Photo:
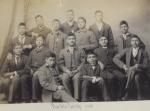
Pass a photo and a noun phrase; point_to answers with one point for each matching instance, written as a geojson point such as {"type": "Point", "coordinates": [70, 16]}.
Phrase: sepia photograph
{"type": "Point", "coordinates": [75, 53]}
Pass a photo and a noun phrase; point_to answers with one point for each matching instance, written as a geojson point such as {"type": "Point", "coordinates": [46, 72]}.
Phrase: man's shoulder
{"type": "Point", "coordinates": [106, 25]}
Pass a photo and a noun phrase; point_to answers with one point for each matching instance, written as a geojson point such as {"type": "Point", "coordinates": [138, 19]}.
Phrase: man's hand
{"type": "Point", "coordinates": [9, 74]}
{"type": "Point", "coordinates": [68, 72]}
{"type": "Point", "coordinates": [136, 66]}
{"type": "Point", "coordinates": [93, 79]}
{"type": "Point", "coordinates": [102, 66]}
{"type": "Point", "coordinates": [9, 56]}
{"type": "Point", "coordinates": [99, 79]}
{"type": "Point", "coordinates": [125, 68]}
{"type": "Point", "coordinates": [60, 87]}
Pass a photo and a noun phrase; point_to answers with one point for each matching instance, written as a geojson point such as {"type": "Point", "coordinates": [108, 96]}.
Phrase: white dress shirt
{"type": "Point", "coordinates": [135, 51]}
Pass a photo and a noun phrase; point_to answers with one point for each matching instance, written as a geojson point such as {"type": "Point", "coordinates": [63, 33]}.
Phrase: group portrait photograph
{"type": "Point", "coordinates": [74, 51]}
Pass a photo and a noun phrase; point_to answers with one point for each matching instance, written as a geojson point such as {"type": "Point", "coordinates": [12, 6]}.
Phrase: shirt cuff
{"type": "Point", "coordinates": [15, 73]}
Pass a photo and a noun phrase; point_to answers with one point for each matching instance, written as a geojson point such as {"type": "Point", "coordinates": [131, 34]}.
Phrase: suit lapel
{"type": "Point", "coordinates": [128, 56]}
{"type": "Point", "coordinates": [139, 55]}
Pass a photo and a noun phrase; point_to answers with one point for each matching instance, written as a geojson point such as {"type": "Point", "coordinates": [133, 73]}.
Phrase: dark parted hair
{"type": "Point", "coordinates": [71, 34]}
{"type": "Point", "coordinates": [39, 36]}
{"type": "Point", "coordinates": [38, 16]}
{"type": "Point", "coordinates": [124, 22]}
{"type": "Point", "coordinates": [50, 54]}
{"type": "Point", "coordinates": [98, 11]}
{"type": "Point", "coordinates": [82, 19]}
{"type": "Point", "coordinates": [70, 10]}
{"type": "Point", "coordinates": [22, 24]}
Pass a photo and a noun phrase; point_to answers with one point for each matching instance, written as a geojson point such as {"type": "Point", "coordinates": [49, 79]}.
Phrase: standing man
{"type": "Point", "coordinates": [135, 66]}
{"type": "Point", "coordinates": [71, 60]}
{"type": "Point", "coordinates": [36, 60]}
{"type": "Point", "coordinates": [50, 80]}
{"type": "Point", "coordinates": [70, 25]}
{"type": "Point", "coordinates": [100, 28]}
{"type": "Point", "coordinates": [85, 39]}
{"type": "Point", "coordinates": [40, 28]}
{"type": "Point", "coordinates": [56, 39]}
{"type": "Point", "coordinates": [124, 41]}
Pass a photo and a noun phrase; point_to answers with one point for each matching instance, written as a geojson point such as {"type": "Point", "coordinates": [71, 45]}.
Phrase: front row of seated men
{"type": "Point", "coordinates": [76, 72]}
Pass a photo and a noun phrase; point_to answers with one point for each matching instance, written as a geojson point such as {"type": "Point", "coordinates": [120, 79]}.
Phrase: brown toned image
{"type": "Point", "coordinates": [74, 51]}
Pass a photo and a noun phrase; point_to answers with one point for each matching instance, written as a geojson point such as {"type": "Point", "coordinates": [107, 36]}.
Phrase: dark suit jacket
{"type": "Point", "coordinates": [122, 44]}
{"type": "Point", "coordinates": [28, 41]}
{"type": "Point", "coordinates": [126, 53]}
{"type": "Point", "coordinates": [69, 61]}
{"type": "Point", "coordinates": [20, 68]}
{"type": "Point", "coordinates": [106, 31]}
{"type": "Point", "coordinates": [47, 80]}
{"type": "Point", "coordinates": [106, 56]}
{"type": "Point", "coordinates": [66, 28]}
{"type": "Point", "coordinates": [87, 72]}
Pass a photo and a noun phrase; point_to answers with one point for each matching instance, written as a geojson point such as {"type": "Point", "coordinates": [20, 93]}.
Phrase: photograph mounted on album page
{"type": "Point", "coordinates": [74, 55]}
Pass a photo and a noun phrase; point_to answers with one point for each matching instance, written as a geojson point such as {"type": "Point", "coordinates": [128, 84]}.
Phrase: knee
{"type": "Point", "coordinates": [85, 83]}
{"type": "Point", "coordinates": [137, 78]}
{"type": "Point", "coordinates": [35, 76]}
{"type": "Point", "coordinates": [76, 77]}
{"type": "Point", "coordinates": [65, 77]}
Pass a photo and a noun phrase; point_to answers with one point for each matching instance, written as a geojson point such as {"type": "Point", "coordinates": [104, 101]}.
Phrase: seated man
{"type": "Point", "coordinates": [70, 60]}
{"type": "Point", "coordinates": [91, 74]}
{"type": "Point", "coordinates": [36, 60]}
{"type": "Point", "coordinates": [110, 72]}
{"type": "Point", "coordinates": [135, 65]}
{"type": "Point", "coordinates": [16, 79]}
{"type": "Point", "coordinates": [50, 80]}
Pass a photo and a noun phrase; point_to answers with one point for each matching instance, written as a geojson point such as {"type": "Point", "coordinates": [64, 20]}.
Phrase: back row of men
{"type": "Point", "coordinates": [65, 63]}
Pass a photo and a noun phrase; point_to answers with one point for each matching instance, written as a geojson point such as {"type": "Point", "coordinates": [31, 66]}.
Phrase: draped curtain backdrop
{"type": "Point", "coordinates": [136, 12]}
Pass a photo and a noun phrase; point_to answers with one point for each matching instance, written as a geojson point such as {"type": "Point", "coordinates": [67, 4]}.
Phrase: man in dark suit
{"type": "Point", "coordinates": [100, 28]}
{"type": "Point", "coordinates": [16, 78]}
{"type": "Point", "coordinates": [70, 25]}
{"type": "Point", "coordinates": [71, 60]}
{"type": "Point", "coordinates": [50, 80]}
{"type": "Point", "coordinates": [56, 39]}
{"type": "Point", "coordinates": [40, 29]}
{"type": "Point", "coordinates": [36, 60]}
{"type": "Point", "coordinates": [110, 72]}
{"type": "Point", "coordinates": [124, 41]}
{"type": "Point", "coordinates": [91, 75]}
{"type": "Point", "coordinates": [135, 66]}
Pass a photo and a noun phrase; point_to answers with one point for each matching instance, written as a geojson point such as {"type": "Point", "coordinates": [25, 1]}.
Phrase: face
{"type": "Point", "coordinates": [51, 61]}
{"type": "Point", "coordinates": [39, 21]}
{"type": "Point", "coordinates": [21, 30]}
{"type": "Point", "coordinates": [91, 59]}
{"type": "Point", "coordinates": [135, 42]}
{"type": "Point", "coordinates": [18, 50]}
{"type": "Point", "coordinates": [71, 40]}
{"type": "Point", "coordinates": [103, 41]}
{"type": "Point", "coordinates": [124, 28]}
{"type": "Point", "coordinates": [39, 41]}
{"type": "Point", "coordinates": [99, 17]}
{"type": "Point", "coordinates": [70, 16]}
{"type": "Point", "coordinates": [81, 23]}
{"type": "Point", "coordinates": [56, 25]}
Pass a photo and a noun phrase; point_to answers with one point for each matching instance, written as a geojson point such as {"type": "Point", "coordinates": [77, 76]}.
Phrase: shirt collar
{"type": "Point", "coordinates": [82, 30]}
{"type": "Point", "coordinates": [70, 23]}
